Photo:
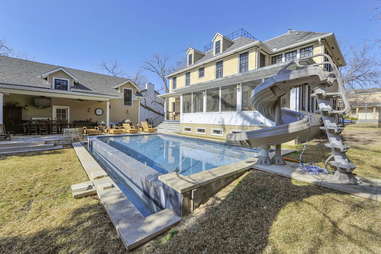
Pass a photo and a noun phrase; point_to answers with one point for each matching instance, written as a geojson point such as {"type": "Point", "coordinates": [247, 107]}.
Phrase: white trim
{"type": "Point", "coordinates": [54, 93]}
{"type": "Point", "coordinates": [202, 133]}
{"type": "Point", "coordinates": [54, 83]}
{"type": "Point", "coordinates": [108, 113]}
{"type": "Point", "coordinates": [46, 74]}
{"type": "Point", "coordinates": [185, 127]}
{"type": "Point", "coordinates": [126, 82]}
{"type": "Point", "coordinates": [54, 116]}
{"type": "Point", "coordinates": [217, 129]}
{"type": "Point", "coordinates": [132, 97]}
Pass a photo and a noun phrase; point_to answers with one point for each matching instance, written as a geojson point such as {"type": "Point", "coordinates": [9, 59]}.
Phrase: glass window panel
{"type": "Point", "coordinates": [187, 78]}
{"type": "Point", "coordinates": [190, 56]}
{"type": "Point", "coordinates": [213, 100]}
{"type": "Point", "coordinates": [174, 83]}
{"type": "Point", "coordinates": [61, 84]}
{"type": "Point", "coordinates": [276, 59]}
{"type": "Point", "coordinates": [201, 72]}
{"type": "Point", "coordinates": [306, 52]}
{"type": "Point", "coordinates": [290, 56]}
{"type": "Point", "coordinates": [187, 103]}
{"type": "Point", "coordinates": [247, 89]}
{"type": "Point", "coordinates": [198, 102]}
{"type": "Point", "coordinates": [244, 62]}
{"type": "Point", "coordinates": [219, 69]}
{"type": "Point", "coordinates": [229, 98]}
{"type": "Point", "coordinates": [128, 97]}
{"type": "Point", "coordinates": [217, 48]}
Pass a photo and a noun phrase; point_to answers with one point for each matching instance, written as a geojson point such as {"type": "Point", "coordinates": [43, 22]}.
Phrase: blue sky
{"type": "Point", "coordinates": [83, 33]}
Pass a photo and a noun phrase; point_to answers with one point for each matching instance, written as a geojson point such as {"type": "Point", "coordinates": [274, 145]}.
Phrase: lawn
{"type": "Point", "coordinates": [257, 213]}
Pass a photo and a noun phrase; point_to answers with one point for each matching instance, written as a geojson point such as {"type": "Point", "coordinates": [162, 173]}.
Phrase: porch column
{"type": "Point", "coordinates": [1, 108]}
{"type": "Point", "coordinates": [165, 109]}
{"type": "Point", "coordinates": [108, 113]}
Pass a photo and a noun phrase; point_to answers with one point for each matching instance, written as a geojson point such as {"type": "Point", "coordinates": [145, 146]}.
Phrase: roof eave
{"type": "Point", "coordinates": [254, 43]}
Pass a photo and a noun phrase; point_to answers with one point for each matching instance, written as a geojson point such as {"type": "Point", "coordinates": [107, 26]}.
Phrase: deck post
{"type": "Point", "coordinates": [108, 113]}
{"type": "Point", "coordinates": [165, 109]}
{"type": "Point", "coordinates": [1, 108]}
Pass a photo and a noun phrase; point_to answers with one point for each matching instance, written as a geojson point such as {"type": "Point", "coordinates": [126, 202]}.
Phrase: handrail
{"type": "Point", "coordinates": [336, 72]}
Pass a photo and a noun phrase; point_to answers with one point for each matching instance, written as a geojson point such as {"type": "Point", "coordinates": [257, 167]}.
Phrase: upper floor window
{"type": "Point", "coordinates": [306, 52]}
{"type": "Point", "coordinates": [219, 69]}
{"type": "Point", "coordinates": [187, 79]}
{"type": "Point", "coordinates": [290, 56]}
{"type": "Point", "coordinates": [190, 59]}
{"type": "Point", "coordinates": [201, 72]}
{"type": "Point", "coordinates": [262, 60]}
{"type": "Point", "coordinates": [174, 83]}
{"type": "Point", "coordinates": [217, 47]}
{"type": "Point", "coordinates": [276, 59]}
{"type": "Point", "coordinates": [127, 96]}
{"type": "Point", "coordinates": [244, 62]}
{"type": "Point", "coordinates": [61, 84]}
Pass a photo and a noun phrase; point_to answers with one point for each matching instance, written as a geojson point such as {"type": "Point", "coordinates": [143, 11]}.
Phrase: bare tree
{"type": "Point", "coordinates": [139, 78]}
{"type": "Point", "coordinates": [113, 68]}
{"type": "Point", "coordinates": [159, 65]}
{"type": "Point", "coordinates": [4, 49]}
{"type": "Point", "coordinates": [362, 70]}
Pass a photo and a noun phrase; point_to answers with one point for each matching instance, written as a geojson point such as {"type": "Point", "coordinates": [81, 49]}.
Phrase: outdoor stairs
{"type": "Point", "coordinates": [169, 127]}
{"type": "Point", "coordinates": [338, 158]}
{"type": "Point", "coordinates": [27, 145]}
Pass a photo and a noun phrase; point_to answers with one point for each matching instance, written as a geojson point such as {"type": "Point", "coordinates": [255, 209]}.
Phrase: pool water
{"type": "Point", "coordinates": [187, 156]}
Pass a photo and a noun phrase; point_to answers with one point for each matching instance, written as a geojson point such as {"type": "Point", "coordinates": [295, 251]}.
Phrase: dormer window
{"type": "Point", "coordinates": [61, 84]}
{"type": "Point", "coordinates": [190, 59]}
{"type": "Point", "coordinates": [217, 47]}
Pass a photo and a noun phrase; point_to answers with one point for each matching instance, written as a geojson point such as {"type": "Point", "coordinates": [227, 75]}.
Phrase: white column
{"type": "Point", "coordinates": [181, 107]}
{"type": "Point", "coordinates": [294, 99]}
{"type": "Point", "coordinates": [204, 101]}
{"type": "Point", "coordinates": [1, 108]}
{"type": "Point", "coordinates": [108, 113]}
{"type": "Point", "coordinates": [239, 97]}
{"type": "Point", "coordinates": [165, 108]}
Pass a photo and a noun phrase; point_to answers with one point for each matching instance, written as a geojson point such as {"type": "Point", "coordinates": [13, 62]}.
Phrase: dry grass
{"type": "Point", "coordinates": [262, 213]}
{"type": "Point", "coordinates": [365, 150]}
{"type": "Point", "coordinates": [38, 213]}
{"type": "Point", "coordinates": [257, 213]}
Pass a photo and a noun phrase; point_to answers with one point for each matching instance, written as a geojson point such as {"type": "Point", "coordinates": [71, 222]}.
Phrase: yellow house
{"type": "Point", "coordinates": [32, 91]}
{"type": "Point", "coordinates": [210, 96]}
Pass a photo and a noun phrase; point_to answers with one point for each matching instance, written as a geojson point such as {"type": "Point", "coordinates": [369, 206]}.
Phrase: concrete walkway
{"type": "Point", "coordinates": [132, 227]}
{"type": "Point", "coordinates": [367, 188]}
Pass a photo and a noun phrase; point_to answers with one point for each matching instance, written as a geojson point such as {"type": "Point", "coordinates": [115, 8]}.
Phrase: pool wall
{"type": "Point", "coordinates": [143, 179]}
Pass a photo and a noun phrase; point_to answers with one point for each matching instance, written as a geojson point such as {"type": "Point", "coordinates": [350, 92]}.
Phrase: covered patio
{"type": "Point", "coordinates": [31, 112]}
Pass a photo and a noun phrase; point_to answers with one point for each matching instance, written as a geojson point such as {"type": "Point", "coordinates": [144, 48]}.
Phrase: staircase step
{"type": "Point", "coordinates": [48, 147]}
{"type": "Point", "coordinates": [341, 147]}
{"type": "Point", "coordinates": [347, 166]}
{"type": "Point", "coordinates": [26, 146]}
{"type": "Point", "coordinates": [6, 144]}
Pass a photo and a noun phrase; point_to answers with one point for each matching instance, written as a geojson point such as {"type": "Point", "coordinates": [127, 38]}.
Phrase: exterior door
{"type": "Point", "coordinates": [61, 113]}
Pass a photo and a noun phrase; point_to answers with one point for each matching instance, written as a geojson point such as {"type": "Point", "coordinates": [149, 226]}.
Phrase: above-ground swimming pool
{"type": "Point", "coordinates": [135, 162]}
{"type": "Point", "coordinates": [187, 156]}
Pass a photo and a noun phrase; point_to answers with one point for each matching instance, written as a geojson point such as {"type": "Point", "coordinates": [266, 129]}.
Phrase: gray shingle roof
{"type": "Point", "coordinates": [21, 72]}
{"type": "Point", "coordinates": [239, 42]}
{"type": "Point", "coordinates": [281, 41]}
{"type": "Point", "coordinates": [290, 38]}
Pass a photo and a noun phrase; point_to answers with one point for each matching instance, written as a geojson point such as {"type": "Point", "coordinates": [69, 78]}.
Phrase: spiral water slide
{"type": "Point", "coordinates": [290, 125]}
